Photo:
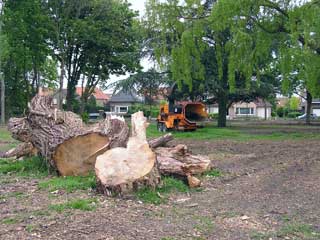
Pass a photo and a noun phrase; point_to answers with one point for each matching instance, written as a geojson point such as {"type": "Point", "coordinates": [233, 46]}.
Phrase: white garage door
{"type": "Point", "coordinates": [316, 112]}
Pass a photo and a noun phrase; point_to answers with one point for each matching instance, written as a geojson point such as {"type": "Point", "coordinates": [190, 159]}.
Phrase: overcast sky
{"type": "Point", "coordinates": [138, 5]}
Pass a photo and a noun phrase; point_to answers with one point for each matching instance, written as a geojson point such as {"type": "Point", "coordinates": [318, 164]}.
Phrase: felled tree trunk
{"type": "Point", "coordinates": [121, 170]}
{"type": "Point", "coordinates": [64, 140]}
{"type": "Point", "coordinates": [179, 161]}
{"type": "Point", "coordinates": [161, 141]}
{"type": "Point", "coordinates": [23, 149]}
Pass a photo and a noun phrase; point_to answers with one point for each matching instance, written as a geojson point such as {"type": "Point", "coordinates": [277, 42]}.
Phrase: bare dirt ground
{"type": "Point", "coordinates": [268, 190]}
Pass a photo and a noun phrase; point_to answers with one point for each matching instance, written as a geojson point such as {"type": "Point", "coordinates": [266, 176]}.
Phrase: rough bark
{"type": "Point", "coordinates": [161, 141]}
{"type": "Point", "coordinates": [63, 139]}
{"type": "Point", "coordinates": [122, 170]}
{"type": "Point", "coordinates": [22, 150]}
{"type": "Point", "coordinates": [309, 108]}
{"type": "Point", "coordinates": [179, 161]}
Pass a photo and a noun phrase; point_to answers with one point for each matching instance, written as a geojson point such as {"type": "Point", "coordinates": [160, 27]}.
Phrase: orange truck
{"type": "Point", "coordinates": [181, 116]}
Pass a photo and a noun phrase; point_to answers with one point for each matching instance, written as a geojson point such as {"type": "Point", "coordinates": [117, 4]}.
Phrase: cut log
{"type": "Point", "coordinates": [122, 170]}
{"type": "Point", "coordinates": [180, 161]}
{"type": "Point", "coordinates": [64, 140]}
{"type": "Point", "coordinates": [161, 141]}
{"type": "Point", "coordinates": [22, 150]}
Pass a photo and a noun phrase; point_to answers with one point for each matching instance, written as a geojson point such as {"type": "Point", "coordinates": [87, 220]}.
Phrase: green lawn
{"type": "Point", "coordinates": [212, 132]}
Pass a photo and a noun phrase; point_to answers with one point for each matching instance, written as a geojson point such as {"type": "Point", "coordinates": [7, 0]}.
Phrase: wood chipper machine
{"type": "Point", "coordinates": [181, 116]}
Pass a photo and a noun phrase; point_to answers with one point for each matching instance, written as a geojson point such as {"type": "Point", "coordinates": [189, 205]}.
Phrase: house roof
{"type": "Point", "coordinates": [261, 103]}
{"type": "Point", "coordinates": [98, 94]}
{"type": "Point", "coordinates": [124, 96]}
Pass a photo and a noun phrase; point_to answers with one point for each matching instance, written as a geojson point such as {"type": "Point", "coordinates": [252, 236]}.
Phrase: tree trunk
{"type": "Point", "coordinates": [64, 140]}
{"type": "Point", "coordinates": [22, 150]}
{"type": "Point", "coordinates": [122, 170]}
{"type": "Point", "coordinates": [161, 141]}
{"type": "Point", "coordinates": [179, 161]}
{"type": "Point", "coordinates": [60, 94]}
{"type": "Point", "coordinates": [222, 102]}
{"type": "Point", "coordinates": [265, 110]}
{"type": "Point", "coordinates": [309, 108]}
{"type": "Point", "coordinates": [2, 99]}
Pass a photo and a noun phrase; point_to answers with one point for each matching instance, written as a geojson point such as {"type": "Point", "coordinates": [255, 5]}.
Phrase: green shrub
{"type": "Point", "coordinates": [293, 114]}
{"type": "Point", "coordinates": [280, 112]}
{"type": "Point", "coordinates": [85, 117]}
{"type": "Point", "coordinates": [147, 111]}
{"type": "Point", "coordinates": [213, 116]}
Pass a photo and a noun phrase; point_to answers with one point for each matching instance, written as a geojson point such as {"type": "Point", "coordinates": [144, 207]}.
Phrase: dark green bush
{"type": "Point", "coordinates": [280, 112]}
{"type": "Point", "coordinates": [213, 116]}
{"type": "Point", "coordinates": [293, 114]}
{"type": "Point", "coordinates": [147, 111]}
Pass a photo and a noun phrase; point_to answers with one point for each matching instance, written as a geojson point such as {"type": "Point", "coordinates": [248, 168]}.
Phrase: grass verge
{"type": "Point", "coordinates": [211, 132]}
{"type": "Point", "coordinates": [31, 167]}
{"type": "Point", "coordinates": [69, 184]}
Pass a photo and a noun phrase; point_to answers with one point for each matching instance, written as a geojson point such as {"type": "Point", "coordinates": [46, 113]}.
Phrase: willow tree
{"type": "Point", "coordinates": [189, 39]}
{"type": "Point", "coordinates": [291, 26]}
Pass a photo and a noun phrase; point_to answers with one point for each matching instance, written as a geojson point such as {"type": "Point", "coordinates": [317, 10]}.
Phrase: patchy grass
{"type": "Point", "coordinates": [31, 167]}
{"type": "Point", "coordinates": [69, 184]}
{"type": "Point", "coordinates": [5, 135]}
{"type": "Point", "coordinates": [9, 221]}
{"type": "Point", "coordinates": [211, 132]}
{"type": "Point", "coordinates": [80, 204]}
{"type": "Point", "coordinates": [213, 173]}
{"type": "Point", "coordinates": [289, 231]}
{"type": "Point", "coordinates": [160, 194]}
{"type": "Point", "coordinates": [298, 230]}
{"type": "Point", "coordinates": [204, 225]}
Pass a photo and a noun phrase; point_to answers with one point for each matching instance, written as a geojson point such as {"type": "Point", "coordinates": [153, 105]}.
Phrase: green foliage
{"type": "Point", "coordinates": [80, 204]}
{"type": "Point", "coordinates": [148, 111]}
{"type": "Point", "coordinates": [280, 111]}
{"type": "Point", "coordinates": [160, 194]}
{"type": "Point", "coordinates": [293, 114]}
{"type": "Point", "coordinates": [69, 183]}
{"type": "Point", "coordinates": [85, 117]}
{"type": "Point", "coordinates": [213, 116]}
{"type": "Point", "coordinates": [294, 103]}
{"type": "Point", "coordinates": [35, 166]}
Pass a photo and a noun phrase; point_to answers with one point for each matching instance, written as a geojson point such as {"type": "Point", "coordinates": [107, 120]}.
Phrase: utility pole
{"type": "Point", "coordinates": [2, 86]}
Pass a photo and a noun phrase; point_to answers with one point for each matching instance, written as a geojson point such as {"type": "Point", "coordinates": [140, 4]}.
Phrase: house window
{"type": "Point", "coordinates": [245, 111]}
{"type": "Point", "coordinates": [123, 109]}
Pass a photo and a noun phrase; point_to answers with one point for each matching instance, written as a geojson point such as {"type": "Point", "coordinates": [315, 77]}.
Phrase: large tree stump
{"type": "Point", "coordinates": [63, 139]}
{"type": "Point", "coordinates": [121, 170]}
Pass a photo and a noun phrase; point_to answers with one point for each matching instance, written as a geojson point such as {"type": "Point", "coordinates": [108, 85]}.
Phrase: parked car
{"type": "Point", "coordinates": [304, 116]}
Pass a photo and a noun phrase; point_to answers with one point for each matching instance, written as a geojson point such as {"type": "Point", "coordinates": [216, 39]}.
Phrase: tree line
{"type": "Point", "coordinates": [47, 43]}
{"type": "Point", "coordinates": [238, 50]}
{"type": "Point", "coordinates": [221, 51]}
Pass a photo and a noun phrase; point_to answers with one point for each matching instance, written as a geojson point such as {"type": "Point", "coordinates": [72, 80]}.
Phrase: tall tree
{"type": "Point", "coordinates": [92, 39]}
{"type": "Point", "coordinates": [188, 38]}
{"type": "Point", "coordinates": [292, 25]}
{"type": "Point", "coordinates": [25, 29]}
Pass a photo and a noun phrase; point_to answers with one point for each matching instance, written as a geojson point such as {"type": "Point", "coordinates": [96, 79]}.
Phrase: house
{"type": "Point", "coordinates": [258, 109]}
{"type": "Point", "coordinates": [101, 97]}
{"type": "Point", "coordinates": [121, 101]}
{"type": "Point", "coordinates": [315, 107]}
